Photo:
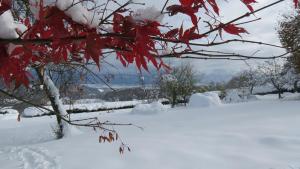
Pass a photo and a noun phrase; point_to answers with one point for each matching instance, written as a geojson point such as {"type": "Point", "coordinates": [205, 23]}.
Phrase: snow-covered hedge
{"type": "Point", "coordinates": [91, 107]}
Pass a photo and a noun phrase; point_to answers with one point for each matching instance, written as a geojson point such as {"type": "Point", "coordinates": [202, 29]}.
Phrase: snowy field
{"type": "Point", "coordinates": [262, 134]}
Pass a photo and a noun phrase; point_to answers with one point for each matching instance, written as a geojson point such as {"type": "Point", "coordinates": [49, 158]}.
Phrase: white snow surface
{"type": "Point", "coordinates": [11, 113]}
{"type": "Point", "coordinates": [207, 99]}
{"type": "Point", "coordinates": [261, 134]}
{"type": "Point", "coordinates": [78, 13]}
{"type": "Point", "coordinates": [72, 8]}
{"type": "Point", "coordinates": [149, 13]}
{"type": "Point", "coordinates": [8, 26]}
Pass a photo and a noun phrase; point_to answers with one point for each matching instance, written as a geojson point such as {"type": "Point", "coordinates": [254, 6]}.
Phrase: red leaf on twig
{"type": "Point", "coordinates": [94, 45]}
{"type": "Point", "coordinates": [296, 3]}
{"type": "Point", "coordinates": [248, 4]}
{"type": "Point", "coordinates": [4, 5]}
{"type": "Point", "coordinates": [214, 5]}
{"type": "Point", "coordinates": [172, 33]}
{"type": "Point", "coordinates": [188, 10]}
{"type": "Point", "coordinates": [232, 29]}
{"type": "Point", "coordinates": [186, 2]}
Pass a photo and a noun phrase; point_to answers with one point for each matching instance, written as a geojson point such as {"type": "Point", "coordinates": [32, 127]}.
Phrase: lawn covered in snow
{"type": "Point", "coordinates": [260, 134]}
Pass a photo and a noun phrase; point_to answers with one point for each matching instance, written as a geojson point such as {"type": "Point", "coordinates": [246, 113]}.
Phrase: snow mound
{"type": "Point", "coordinates": [8, 27]}
{"type": "Point", "coordinates": [147, 109]}
{"type": "Point", "coordinates": [207, 99]}
{"type": "Point", "coordinates": [8, 110]}
{"type": "Point", "coordinates": [33, 111]}
{"type": "Point", "coordinates": [9, 114]}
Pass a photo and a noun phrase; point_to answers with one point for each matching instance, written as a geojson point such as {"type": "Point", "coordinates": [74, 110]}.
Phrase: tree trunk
{"type": "Point", "coordinates": [251, 90]}
{"type": "Point", "coordinates": [278, 89]}
{"type": "Point", "coordinates": [174, 99]}
{"type": "Point", "coordinates": [296, 86]}
{"type": "Point", "coordinates": [185, 100]}
{"type": "Point", "coordinates": [56, 103]}
{"type": "Point", "coordinates": [279, 94]}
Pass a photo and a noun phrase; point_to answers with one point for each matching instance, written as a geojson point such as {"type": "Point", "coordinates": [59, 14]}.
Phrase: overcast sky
{"type": "Point", "coordinates": [263, 30]}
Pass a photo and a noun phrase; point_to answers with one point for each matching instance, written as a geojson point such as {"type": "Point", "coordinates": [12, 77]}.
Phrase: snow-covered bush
{"type": "Point", "coordinates": [238, 95]}
{"type": "Point", "coordinates": [246, 80]}
{"type": "Point", "coordinates": [147, 109]}
{"type": "Point", "coordinates": [207, 99]}
{"type": "Point", "coordinates": [33, 111]}
{"type": "Point", "coordinates": [232, 96]}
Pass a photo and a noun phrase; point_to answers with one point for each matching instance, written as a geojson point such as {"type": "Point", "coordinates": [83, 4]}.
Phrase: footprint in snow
{"type": "Point", "coordinates": [33, 158]}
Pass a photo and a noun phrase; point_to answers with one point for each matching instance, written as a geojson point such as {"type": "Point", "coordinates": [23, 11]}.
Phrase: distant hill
{"type": "Point", "coordinates": [133, 80]}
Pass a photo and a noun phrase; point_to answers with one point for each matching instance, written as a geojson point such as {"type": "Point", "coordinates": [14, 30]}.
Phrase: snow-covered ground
{"type": "Point", "coordinates": [261, 134]}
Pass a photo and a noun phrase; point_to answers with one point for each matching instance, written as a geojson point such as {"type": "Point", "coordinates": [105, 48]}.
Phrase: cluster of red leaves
{"type": "Point", "coordinates": [296, 3]}
{"type": "Point", "coordinates": [124, 147]}
{"type": "Point", "coordinates": [111, 137]}
{"type": "Point", "coordinates": [4, 5]}
{"type": "Point", "coordinates": [63, 40]}
{"type": "Point", "coordinates": [137, 44]}
{"type": "Point", "coordinates": [184, 36]}
{"type": "Point", "coordinates": [231, 29]}
{"type": "Point", "coordinates": [191, 7]}
{"type": "Point", "coordinates": [248, 3]}
{"type": "Point", "coordinates": [12, 68]}
{"type": "Point", "coordinates": [53, 25]}
{"type": "Point", "coordinates": [5, 73]}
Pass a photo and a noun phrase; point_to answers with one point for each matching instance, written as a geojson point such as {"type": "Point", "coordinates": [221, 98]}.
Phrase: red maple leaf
{"type": "Point", "coordinates": [296, 3]}
{"type": "Point", "coordinates": [172, 33]}
{"type": "Point", "coordinates": [190, 34]}
{"type": "Point", "coordinates": [232, 29]}
{"type": "Point", "coordinates": [186, 2]}
{"type": "Point", "coordinates": [94, 46]}
{"type": "Point", "coordinates": [214, 5]}
{"type": "Point", "coordinates": [248, 4]}
{"type": "Point", "coordinates": [4, 5]}
{"type": "Point", "coordinates": [188, 10]}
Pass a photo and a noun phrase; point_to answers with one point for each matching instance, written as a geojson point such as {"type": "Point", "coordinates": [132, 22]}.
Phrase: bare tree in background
{"type": "Point", "coordinates": [179, 84]}
{"type": "Point", "coordinates": [275, 74]}
{"type": "Point", "coordinates": [245, 79]}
